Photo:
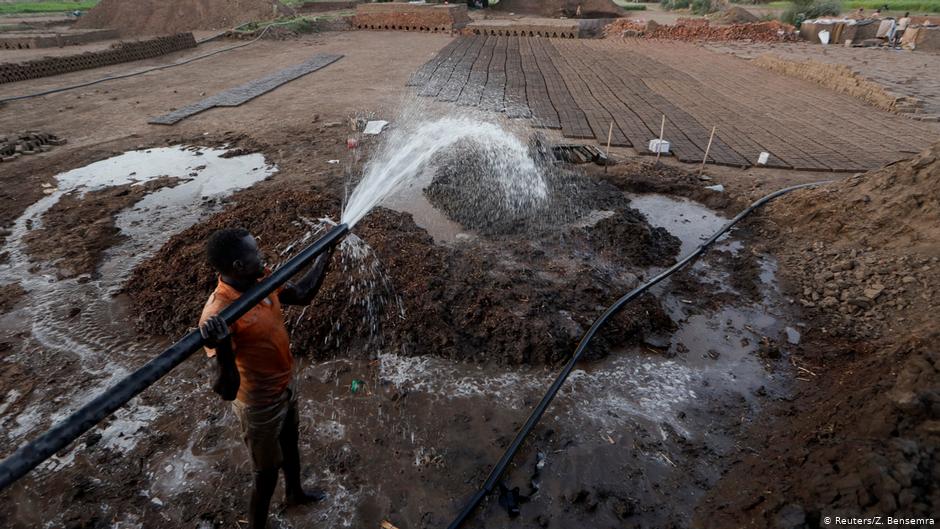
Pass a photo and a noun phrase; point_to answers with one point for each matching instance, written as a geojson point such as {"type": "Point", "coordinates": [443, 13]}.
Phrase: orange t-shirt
{"type": "Point", "coordinates": [261, 345]}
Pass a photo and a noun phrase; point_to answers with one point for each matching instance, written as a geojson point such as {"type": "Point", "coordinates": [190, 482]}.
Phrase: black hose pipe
{"type": "Point", "coordinates": [500, 468]}
{"type": "Point", "coordinates": [29, 456]}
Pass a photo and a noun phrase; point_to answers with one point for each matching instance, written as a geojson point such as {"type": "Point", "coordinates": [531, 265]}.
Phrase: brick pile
{"type": "Point", "coordinates": [117, 53]}
{"type": "Point", "coordinates": [526, 27]}
{"type": "Point", "coordinates": [410, 17]}
{"type": "Point", "coordinates": [24, 40]}
{"type": "Point", "coordinates": [30, 142]}
{"type": "Point", "coordinates": [772, 31]}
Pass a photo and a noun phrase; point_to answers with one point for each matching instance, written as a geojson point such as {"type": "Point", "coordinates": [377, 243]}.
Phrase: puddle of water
{"type": "Point", "coordinates": [691, 222]}
{"type": "Point", "coordinates": [98, 335]}
{"type": "Point", "coordinates": [412, 200]}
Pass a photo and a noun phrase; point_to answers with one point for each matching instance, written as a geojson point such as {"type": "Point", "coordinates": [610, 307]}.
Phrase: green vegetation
{"type": "Point", "coordinates": [801, 10]}
{"type": "Point", "coordinates": [895, 6]}
{"type": "Point", "coordinates": [698, 7]}
{"type": "Point", "coordinates": [46, 7]}
{"type": "Point", "coordinates": [914, 6]}
{"type": "Point", "coordinates": [297, 24]}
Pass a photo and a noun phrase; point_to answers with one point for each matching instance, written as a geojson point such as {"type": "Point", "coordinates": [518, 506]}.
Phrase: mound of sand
{"type": "Point", "coordinates": [896, 206]}
{"type": "Point", "coordinates": [160, 17]}
{"type": "Point", "coordinates": [560, 8]}
{"type": "Point", "coordinates": [734, 15]}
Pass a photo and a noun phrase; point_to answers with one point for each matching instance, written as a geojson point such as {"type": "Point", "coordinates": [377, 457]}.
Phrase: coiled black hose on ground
{"type": "Point", "coordinates": [500, 468]}
{"type": "Point", "coordinates": [29, 456]}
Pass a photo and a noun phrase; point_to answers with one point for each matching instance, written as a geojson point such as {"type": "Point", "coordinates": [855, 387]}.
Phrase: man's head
{"type": "Point", "coordinates": [234, 253]}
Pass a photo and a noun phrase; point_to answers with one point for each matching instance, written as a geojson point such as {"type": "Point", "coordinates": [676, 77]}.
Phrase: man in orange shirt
{"type": "Point", "coordinates": [255, 366]}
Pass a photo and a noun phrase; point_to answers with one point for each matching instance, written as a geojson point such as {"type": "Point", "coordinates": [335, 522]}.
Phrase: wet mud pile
{"type": "Point", "coordinates": [862, 258]}
{"type": "Point", "coordinates": [480, 300]}
{"type": "Point", "coordinates": [79, 228]}
{"type": "Point", "coordinates": [466, 189]}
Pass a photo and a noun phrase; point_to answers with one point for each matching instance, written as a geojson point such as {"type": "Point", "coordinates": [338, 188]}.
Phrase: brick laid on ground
{"type": "Point", "coordinates": [248, 91]}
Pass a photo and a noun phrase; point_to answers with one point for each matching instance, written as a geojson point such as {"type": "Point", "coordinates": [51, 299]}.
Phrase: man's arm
{"type": "Point", "coordinates": [303, 292]}
{"type": "Point", "coordinates": [216, 334]}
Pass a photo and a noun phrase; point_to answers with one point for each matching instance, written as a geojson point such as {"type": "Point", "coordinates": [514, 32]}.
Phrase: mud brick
{"type": "Point", "coordinates": [248, 91]}
{"type": "Point", "coordinates": [118, 53]}
{"type": "Point", "coordinates": [446, 69]}
{"type": "Point", "coordinates": [410, 17]}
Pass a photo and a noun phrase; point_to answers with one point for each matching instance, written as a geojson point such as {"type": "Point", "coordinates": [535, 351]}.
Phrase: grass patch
{"type": "Point", "coordinates": [298, 24]}
{"type": "Point", "coordinates": [914, 6]}
{"type": "Point", "coordinates": [46, 7]}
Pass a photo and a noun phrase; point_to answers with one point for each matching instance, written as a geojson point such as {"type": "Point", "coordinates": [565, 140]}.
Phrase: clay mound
{"type": "Point", "coordinates": [159, 17]}
{"type": "Point", "coordinates": [562, 8]}
{"type": "Point", "coordinates": [734, 15]}
{"type": "Point", "coordinates": [468, 302]}
{"type": "Point", "coordinates": [896, 206]}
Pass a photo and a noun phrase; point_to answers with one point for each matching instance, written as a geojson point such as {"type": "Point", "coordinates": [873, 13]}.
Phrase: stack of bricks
{"type": "Point", "coordinates": [24, 40]}
{"type": "Point", "coordinates": [118, 53]}
{"type": "Point", "coordinates": [772, 31]}
{"type": "Point", "coordinates": [27, 143]}
{"type": "Point", "coordinates": [526, 27]}
{"type": "Point", "coordinates": [411, 17]}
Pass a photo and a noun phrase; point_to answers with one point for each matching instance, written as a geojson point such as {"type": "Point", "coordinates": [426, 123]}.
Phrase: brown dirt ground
{"type": "Point", "coordinates": [78, 229]}
{"type": "Point", "coordinates": [859, 437]}
{"type": "Point", "coordinates": [9, 295]}
{"type": "Point", "coordinates": [733, 15]}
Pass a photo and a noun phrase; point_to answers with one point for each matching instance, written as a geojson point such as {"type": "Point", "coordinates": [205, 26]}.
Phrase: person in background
{"type": "Point", "coordinates": [903, 23]}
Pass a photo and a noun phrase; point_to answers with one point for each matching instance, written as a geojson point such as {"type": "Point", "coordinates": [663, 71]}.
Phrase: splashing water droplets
{"type": "Point", "coordinates": [408, 150]}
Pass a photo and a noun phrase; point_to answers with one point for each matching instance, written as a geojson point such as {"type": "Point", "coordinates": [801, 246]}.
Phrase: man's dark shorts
{"type": "Point", "coordinates": [263, 426]}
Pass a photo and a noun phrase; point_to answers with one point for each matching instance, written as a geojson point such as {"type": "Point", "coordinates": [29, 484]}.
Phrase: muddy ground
{"type": "Point", "coordinates": [721, 400]}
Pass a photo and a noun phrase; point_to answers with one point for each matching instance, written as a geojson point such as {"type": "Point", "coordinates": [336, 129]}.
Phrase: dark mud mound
{"type": "Point", "coordinates": [476, 301]}
{"type": "Point", "coordinates": [627, 236]}
{"type": "Point", "coordinates": [466, 187]}
{"type": "Point", "coordinates": [79, 228]}
{"type": "Point", "coordinates": [470, 188]}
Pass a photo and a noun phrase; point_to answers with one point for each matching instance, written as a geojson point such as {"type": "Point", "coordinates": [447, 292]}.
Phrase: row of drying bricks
{"type": "Point", "coordinates": [125, 52]}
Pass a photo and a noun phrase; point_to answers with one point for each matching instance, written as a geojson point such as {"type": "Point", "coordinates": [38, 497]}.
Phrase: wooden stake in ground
{"type": "Point", "coordinates": [610, 134]}
{"type": "Point", "coordinates": [662, 130]}
{"type": "Point", "coordinates": [707, 148]}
